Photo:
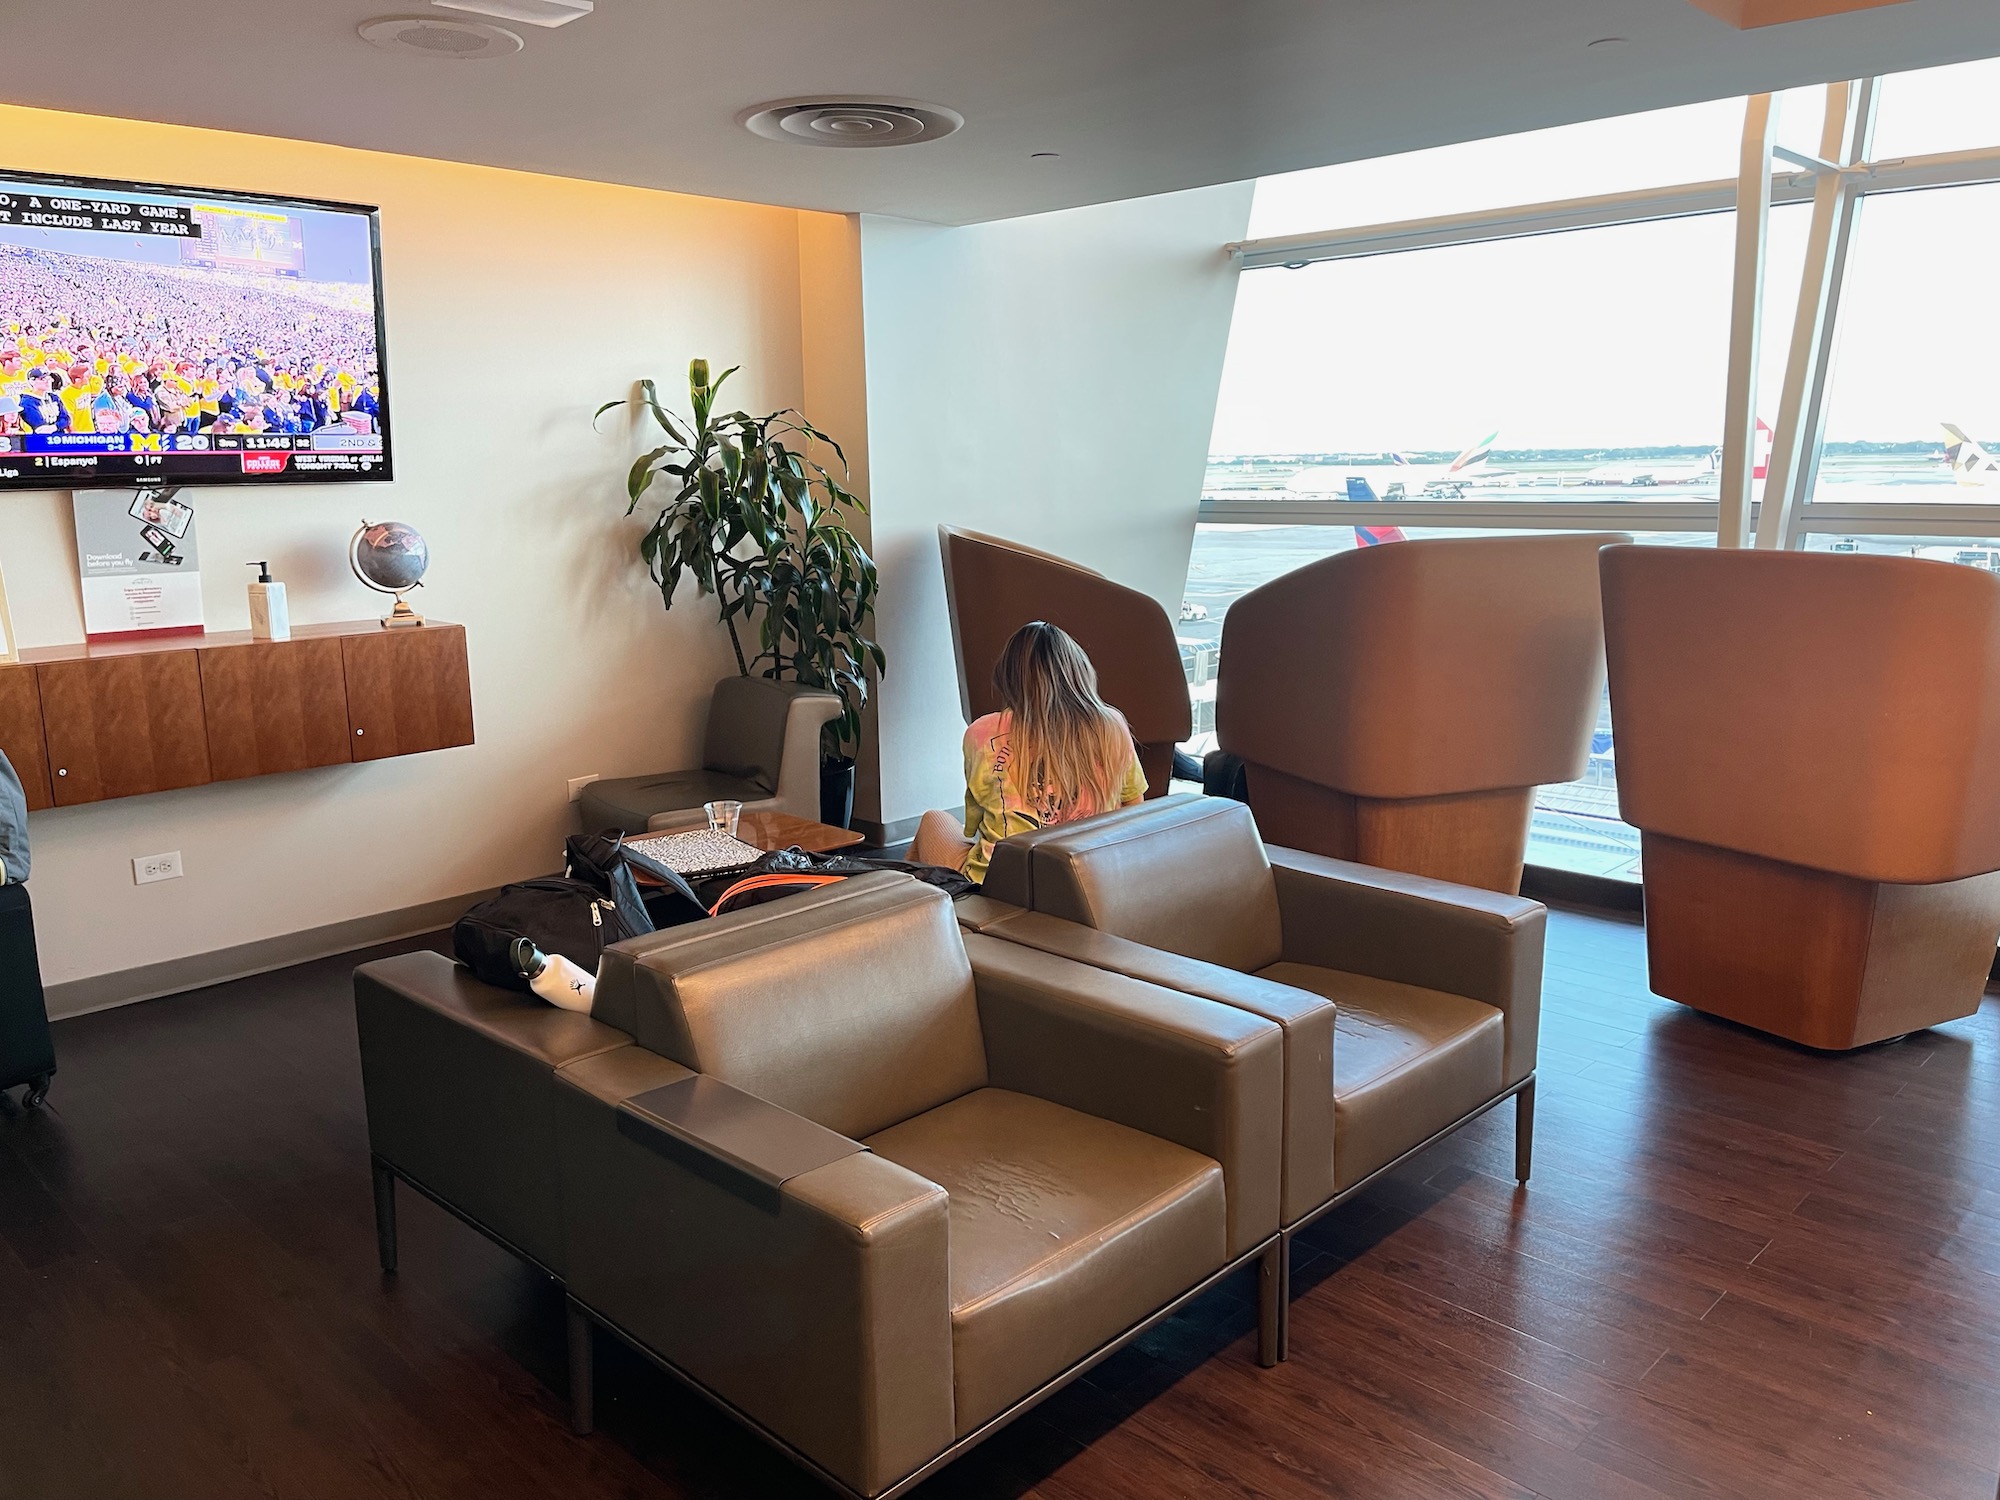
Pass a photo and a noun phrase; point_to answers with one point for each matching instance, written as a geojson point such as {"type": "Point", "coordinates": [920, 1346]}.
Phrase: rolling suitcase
{"type": "Point", "coordinates": [27, 1052]}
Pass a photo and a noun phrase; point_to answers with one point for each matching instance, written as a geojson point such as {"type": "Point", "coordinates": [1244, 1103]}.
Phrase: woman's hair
{"type": "Point", "coordinates": [1066, 739]}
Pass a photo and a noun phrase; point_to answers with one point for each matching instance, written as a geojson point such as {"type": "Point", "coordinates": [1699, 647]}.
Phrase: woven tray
{"type": "Point", "coordinates": [699, 853]}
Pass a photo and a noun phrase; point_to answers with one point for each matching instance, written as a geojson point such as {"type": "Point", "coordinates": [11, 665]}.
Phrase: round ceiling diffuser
{"type": "Point", "coordinates": [852, 122]}
{"type": "Point", "coordinates": [433, 36]}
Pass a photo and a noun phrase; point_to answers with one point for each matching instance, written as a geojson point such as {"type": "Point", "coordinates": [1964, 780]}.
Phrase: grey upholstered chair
{"type": "Point", "coordinates": [762, 749]}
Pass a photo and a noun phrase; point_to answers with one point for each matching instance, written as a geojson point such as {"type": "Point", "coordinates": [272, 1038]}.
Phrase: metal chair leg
{"type": "Point", "coordinates": [385, 1215]}
{"type": "Point", "coordinates": [1524, 1131]}
{"type": "Point", "coordinates": [582, 1375]}
{"type": "Point", "coordinates": [1274, 1301]}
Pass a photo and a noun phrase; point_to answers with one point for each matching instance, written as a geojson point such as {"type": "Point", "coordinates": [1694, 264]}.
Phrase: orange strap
{"type": "Point", "coordinates": [767, 882]}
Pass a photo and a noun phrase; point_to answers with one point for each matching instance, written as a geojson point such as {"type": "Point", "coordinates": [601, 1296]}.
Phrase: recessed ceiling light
{"type": "Point", "coordinates": [529, 12]}
{"type": "Point", "coordinates": [850, 122]}
{"type": "Point", "coordinates": [434, 36]}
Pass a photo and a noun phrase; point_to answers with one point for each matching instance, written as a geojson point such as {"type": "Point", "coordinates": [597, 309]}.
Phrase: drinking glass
{"type": "Point", "coordinates": [722, 816]}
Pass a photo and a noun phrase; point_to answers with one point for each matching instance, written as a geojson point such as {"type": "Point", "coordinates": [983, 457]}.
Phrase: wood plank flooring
{"type": "Point", "coordinates": [1742, 1270]}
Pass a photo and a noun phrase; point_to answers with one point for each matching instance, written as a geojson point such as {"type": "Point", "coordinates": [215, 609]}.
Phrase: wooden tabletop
{"type": "Point", "coordinates": [776, 830]}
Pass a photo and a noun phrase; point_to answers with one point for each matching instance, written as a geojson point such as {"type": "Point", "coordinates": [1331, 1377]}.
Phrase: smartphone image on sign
{"type": "Point", "coordinates": [163, 511]}
{"type": "Point", "coordinates": [162, 545]}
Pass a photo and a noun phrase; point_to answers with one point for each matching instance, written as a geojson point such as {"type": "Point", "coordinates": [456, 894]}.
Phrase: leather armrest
{"type": "Point", "coordinates": [797, 791]}
{"type": "Point", "coordinates": [458, 1078]}
{"type": "Point", "coordinates": [736, 1139]}
{"type": "Point", "coordinates": [1415, 930]}
{"type": "Point", "coordinates": [1206, 1076]}
{"type": "Point", "coordinates": [1306, 1021]}
{"type": "Point", "coordinates": [820, 1307]}
{"type": "Point", "coordinates": [981, 913]}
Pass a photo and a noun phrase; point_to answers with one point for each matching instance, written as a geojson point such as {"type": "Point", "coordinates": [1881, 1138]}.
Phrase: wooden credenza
{"type": "Point", "coordinates": [87, 723]}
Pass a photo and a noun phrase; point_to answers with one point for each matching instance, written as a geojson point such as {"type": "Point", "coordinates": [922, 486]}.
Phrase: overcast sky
{"type": "Point", "coordinates": [1612, 337]}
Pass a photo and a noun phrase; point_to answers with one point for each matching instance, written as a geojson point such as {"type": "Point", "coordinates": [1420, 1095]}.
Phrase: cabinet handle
{"type": "Point", "coordinates": [360, 731]}
{"type": "Point", "coordinates": [62, 770]}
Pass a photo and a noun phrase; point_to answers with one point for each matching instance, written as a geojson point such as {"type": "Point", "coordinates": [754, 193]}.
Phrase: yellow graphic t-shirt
{"type": "Point", "coordinates": [997, 804]}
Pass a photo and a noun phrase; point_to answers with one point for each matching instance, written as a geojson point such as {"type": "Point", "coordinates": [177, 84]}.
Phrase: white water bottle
{"type": "Point", "coordinates": [565, 985]}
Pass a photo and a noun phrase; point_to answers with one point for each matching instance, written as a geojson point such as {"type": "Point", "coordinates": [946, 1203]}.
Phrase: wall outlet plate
{"type": "Point", "coordinates": [148, 868]}
{"type": "Point", "coordinates": [578, 783]}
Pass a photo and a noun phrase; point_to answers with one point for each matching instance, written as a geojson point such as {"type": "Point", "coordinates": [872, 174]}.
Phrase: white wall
{"type": "Point", "coordinates": [516, 304]}
{"type": "Point", "coordinates": [1048, 379]}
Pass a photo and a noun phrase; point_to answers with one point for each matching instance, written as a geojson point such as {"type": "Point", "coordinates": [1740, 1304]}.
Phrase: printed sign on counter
{"type": "Point", "coordinates": [140, 566]}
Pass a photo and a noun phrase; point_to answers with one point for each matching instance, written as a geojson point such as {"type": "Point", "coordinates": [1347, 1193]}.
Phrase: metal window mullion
{"type": "Point", "coordinates": [1753, 232]}
{"type": "Point", "coordinates": [1471, 515]}
{"type": "Point", "coordinates": [1805, 369]}
{"type": "Point", "coordinates": [1646, 205]}
{"type": "Point", "coordinates": [1860, 140]}
{"type": "Point", "coordinates": [1892, 518]}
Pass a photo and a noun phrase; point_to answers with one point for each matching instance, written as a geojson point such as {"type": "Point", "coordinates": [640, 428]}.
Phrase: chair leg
{"type": "Point", "coordinates": [1274, 1301]}
{"type": "Point", "coordinates": [385, 1215]}
{"type": "Point", "coordinates": [582, 1389]}
{"type": "Point", "coordinates": [1524, 1131]}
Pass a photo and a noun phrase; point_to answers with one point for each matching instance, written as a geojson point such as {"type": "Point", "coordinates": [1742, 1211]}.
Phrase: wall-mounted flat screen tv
{"type": "Point", "coordinates": [162, 336]}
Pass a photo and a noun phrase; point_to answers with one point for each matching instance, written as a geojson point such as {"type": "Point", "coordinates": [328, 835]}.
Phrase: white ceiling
{"type": "Point", "coordinates": [1137, 96]}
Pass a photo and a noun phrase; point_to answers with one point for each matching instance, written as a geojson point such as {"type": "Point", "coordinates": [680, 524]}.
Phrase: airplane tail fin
{"type": "Point", "coordinates": [1762, 467]}
{"type": "Point", "coordinates": [1477, 454]}
{"type": "Point", "coordinates": [1970, 463]}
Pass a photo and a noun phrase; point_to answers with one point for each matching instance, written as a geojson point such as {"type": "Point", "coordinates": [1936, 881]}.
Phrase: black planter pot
{"type": "Point", "coordinates": [836, 791]}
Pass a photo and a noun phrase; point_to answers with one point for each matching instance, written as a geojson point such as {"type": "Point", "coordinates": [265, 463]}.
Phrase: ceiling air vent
{"type": "Point", "coordinates": [434, 36]}
{"type": "Point", "coordinates": [851, 122]}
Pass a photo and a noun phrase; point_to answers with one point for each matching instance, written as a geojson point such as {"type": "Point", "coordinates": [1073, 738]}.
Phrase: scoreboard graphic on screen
{"type": "Point", "coordinates": [242, 239]}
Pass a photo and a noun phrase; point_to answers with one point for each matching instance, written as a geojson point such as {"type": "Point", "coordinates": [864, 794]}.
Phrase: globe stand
{"type": "Point", "coordinates": [402, 617]}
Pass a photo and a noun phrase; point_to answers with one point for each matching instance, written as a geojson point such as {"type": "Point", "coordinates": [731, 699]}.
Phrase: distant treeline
{"type": "Point", "coordinates": [1914, 448]}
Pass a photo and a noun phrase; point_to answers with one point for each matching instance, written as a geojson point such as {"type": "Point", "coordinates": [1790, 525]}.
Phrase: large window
{"type": "Point", "coordinates": [1538, 333]}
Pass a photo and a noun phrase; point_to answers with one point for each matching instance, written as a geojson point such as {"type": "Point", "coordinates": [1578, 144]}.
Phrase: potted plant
{"type": "Point", "coordinates": [762, 526]}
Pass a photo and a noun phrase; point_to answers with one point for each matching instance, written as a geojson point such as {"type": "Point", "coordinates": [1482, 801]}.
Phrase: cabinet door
{"type": "Point", "coordinates": [407, 691]}
{"type": "Point", "coordinates": [21, 732]}
{"type": "Point", "coordinates": [274, 706]}
{"type": "Point", "coordinates": [117, 726]}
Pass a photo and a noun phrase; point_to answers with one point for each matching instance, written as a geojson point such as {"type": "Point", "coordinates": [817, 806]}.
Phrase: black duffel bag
{"type": "Point", "coordinates": [556, 914]}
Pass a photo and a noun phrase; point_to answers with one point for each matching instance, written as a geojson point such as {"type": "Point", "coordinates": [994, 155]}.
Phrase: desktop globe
{"type": "Point", "coordinates": [390, 557]}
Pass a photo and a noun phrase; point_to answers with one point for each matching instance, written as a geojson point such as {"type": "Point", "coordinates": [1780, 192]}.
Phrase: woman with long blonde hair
{"type": "Point", "coordinates": [1054, 753]}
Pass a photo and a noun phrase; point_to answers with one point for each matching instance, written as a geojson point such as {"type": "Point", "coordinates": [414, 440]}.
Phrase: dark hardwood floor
{"type": "Point", "coordinates": [1741, 1270]}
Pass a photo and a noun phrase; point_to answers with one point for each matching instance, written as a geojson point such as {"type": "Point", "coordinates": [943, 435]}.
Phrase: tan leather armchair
{"type": "Point", "coordinates": [1399, 705]}
{"type": "Point", "coordinates": [873, 1185]}
{"type": "Point", "coordinates": [1408, 1006]}
{"type": "Point", "coordinates": [1810, 746]}
{"type": "Point", "coordinates": [994, 587]}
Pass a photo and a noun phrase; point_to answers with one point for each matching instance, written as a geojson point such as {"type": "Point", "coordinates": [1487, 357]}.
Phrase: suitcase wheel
{"type": "Point", "coordinates": [37, 1092]}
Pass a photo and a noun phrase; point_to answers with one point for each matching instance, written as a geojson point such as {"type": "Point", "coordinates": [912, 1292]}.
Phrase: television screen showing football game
{"type": "Point", "coordinates": [163, 336]}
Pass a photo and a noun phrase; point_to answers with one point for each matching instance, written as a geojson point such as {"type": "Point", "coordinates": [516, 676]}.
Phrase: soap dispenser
{"type": "Point", "coordinates": [270, 620]}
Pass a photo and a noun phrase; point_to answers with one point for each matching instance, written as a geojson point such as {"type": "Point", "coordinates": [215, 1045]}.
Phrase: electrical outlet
{"type": "Point", "coordinates": [151, 867]}
{"type": "Point", "coordinates": [578, 783]}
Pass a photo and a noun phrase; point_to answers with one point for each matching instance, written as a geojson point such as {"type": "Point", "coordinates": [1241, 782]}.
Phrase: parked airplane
{"type": "Point", "coordinates": [1398, 479]}
{"type": "Point", "coordinates": [1647, 473]}
{"type": "Point", "coordinates": [1970, 463]}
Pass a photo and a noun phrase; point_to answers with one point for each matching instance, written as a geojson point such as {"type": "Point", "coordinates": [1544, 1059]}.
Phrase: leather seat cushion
{"type": "Point", "coordinates": [1407, 1062]}
{"type": "Point", "coordinates": [1065, 1230]}
{"type": "Point", "coordinates": [632, 802]}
